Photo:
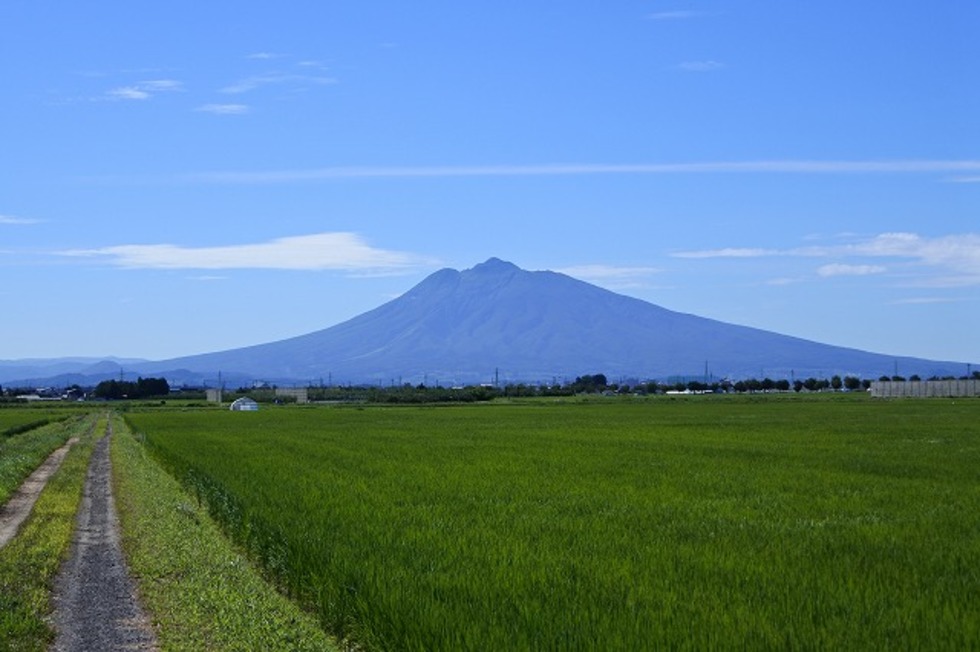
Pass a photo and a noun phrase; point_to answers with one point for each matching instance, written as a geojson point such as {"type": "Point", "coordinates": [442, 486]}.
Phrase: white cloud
{"type": "Point", "coordinates": [128, 93]}
{"type": "Point", "coordinates": [784, 280]}
{"type": "Point", "coordinates": [161, 85]}
{"type": "Point", "coordinates": [960, 253]}
{"type": "Point", "coordinates": [842, 269]}
{"type": "Point", "coordinates": [563, 169]}
{"type": "Point", "coordinates": [955, 257]}
{"type": "Point", "coordinates": [10, 219]}
{"type": "Point", "coordinates": [321, 251]}
{"type": "Point", "coordinates": [611, 276]}
{"type": "Point", "coordinates": [914, 301]}
{"type": "Point", "coordinates": [144, 90]}
{"type": "Point", "coordinates": [729, 252]}
{"type": "Point", "coordinates": [257, 81]}
{"type": "Point", "coordinates": [224, 109]}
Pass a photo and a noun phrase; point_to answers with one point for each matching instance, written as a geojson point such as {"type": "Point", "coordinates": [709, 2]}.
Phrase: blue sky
{"type": "Point", "coordinates": [184, 177]}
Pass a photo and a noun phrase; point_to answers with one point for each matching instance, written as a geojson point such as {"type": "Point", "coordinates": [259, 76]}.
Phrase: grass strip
{"type": "Point", "coordinates": [20, 455]}
{"type": "Point", "coordinates": [29, 563]}
{"type": "Point", "coordinates": [200, 593]}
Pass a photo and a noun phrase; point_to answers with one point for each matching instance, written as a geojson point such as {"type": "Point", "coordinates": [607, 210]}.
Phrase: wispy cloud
{"type": "Point", "coordinates": [914, 301]}
{"type": "Point", "coordinates": [207, 278]}
{"type": "Point", "coordinates": [341, 251]}
{"type": "Point", "coordinates": [956, 258]}
{"type": "Point", "coordinates": [144, 90]}
{"type": "Point", "coordinates": [224, 109]}
{"type": "Point", "coordinates": [708, 65]}
{"type": "Point", "coordinates": [254, 82]}
{"type": "Point", "coordinates": [729, 252]}
{"type": "Point", "coordinates": [958, 252]}
{"type": "Point", "coordinates": [843, 269]}
{"type": "Point", "coordinates": [611, 276]}
{"type": "Point", "coordinates": [128, 93]}
{"type": "Point", "coordinates": [10, 219]}
{"type": "Point", "coordinates": [803, 166]}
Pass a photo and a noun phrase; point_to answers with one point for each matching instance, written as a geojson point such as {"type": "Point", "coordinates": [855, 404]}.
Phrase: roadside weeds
{"type": "Point", "coordinates": [29, 563]}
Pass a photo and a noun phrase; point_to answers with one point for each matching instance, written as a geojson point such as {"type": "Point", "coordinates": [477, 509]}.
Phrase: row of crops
{"type": "Point", "coordinates": [793, 523]}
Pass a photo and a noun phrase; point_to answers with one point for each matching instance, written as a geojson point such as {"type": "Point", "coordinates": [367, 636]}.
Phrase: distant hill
{"type": "Point", "coordinates": [61, 372]}
{"type": "Point", "coordinates": [462, 326]}
{"type": "Point", "coordinates": [466, 326]}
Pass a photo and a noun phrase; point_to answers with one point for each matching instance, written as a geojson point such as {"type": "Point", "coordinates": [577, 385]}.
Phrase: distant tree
{"type": "Point", "coordinates": [142, 388]}
{"type": "Point", "coordinates": [782, 385]}
{"type": "Point", "coordinates": [836, 383]}
{"type": "Point", "coordinates": [915, 377]}
{"type": "Point", "coordinates": [767, 384]}
{"type": "Point", "coordinates": [590, 383]}
{"type": "Point", "coordinates": [146, 387]}
{"type": "Point", "coordinates": [852, 383]}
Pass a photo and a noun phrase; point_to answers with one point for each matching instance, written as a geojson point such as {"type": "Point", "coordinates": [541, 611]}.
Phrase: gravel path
{"type": "Point", "coordinates": [16, 510]}
{"type": "Point", "coordinates": [96, 607]}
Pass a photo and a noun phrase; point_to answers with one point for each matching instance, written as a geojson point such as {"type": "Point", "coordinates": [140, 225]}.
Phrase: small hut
{"type": "Point", "coordinates": [244, 404]}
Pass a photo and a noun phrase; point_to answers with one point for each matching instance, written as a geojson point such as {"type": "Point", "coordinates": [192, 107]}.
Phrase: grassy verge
{"type": "Point", "coordinates": [29, 563]}
{"type": "Point", "coordinates": [21, 454]}
{"type": "Point", "coordinates": [199, 591]}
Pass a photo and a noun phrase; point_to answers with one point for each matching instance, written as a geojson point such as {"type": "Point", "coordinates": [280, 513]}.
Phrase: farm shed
{"type": "Point", "coordinates": [244, 404]}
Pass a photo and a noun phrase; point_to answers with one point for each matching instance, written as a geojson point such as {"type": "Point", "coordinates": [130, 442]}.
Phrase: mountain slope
{"type": "Point", "coordinates": [462, 326]}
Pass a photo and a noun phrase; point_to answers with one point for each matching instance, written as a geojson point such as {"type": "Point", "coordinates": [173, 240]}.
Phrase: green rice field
{"type": "Point", "coordinates": [840, 523]}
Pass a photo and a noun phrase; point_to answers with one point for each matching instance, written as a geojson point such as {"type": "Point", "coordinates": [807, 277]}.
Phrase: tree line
{"type": "Point", "coordinates": [141, 388]}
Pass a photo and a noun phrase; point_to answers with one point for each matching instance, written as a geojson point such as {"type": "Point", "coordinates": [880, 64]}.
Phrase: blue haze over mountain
{"type": "Point", "coordinates": [463, 327]}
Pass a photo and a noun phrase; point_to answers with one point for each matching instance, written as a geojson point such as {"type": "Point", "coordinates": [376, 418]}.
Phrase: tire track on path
{"type": "Point", "coordinates": [96, 606]}
{"type": "Point", "coordinates": [16, 510]}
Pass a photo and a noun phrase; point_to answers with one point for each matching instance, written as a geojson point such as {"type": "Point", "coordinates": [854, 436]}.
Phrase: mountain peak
{"type": "Point", "coordinates": [495, 266]}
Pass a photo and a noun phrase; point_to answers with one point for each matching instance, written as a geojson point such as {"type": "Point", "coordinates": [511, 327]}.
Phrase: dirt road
{"type": "Point", "coordinates": [96, 606]}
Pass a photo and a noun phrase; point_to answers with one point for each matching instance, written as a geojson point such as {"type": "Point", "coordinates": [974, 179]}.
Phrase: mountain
{"type": "Point", "coordinates": [61, 372]}
{"type": "Point", "coordinates": [465, 326]}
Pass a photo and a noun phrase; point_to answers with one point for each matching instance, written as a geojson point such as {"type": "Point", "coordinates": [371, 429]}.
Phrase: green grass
{"type": "Point", "coordinates": [29, 563]}
{"type": "Point", "coordinates": [15, 418]}
{"type": "Point", "coordinates": [22, 453]}
{"type": "Point", "coordinates": [795, 523]}
{"type": "Point", "coordinates": [201, 593]}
